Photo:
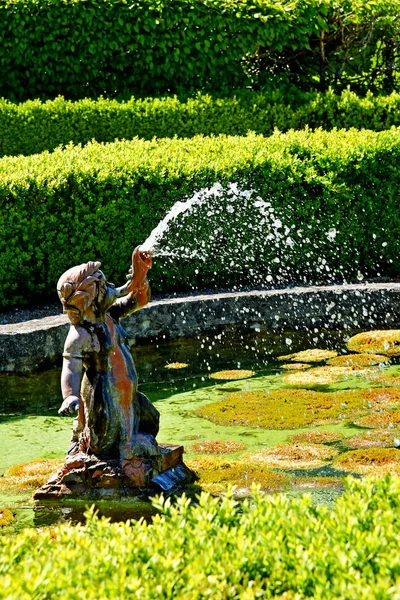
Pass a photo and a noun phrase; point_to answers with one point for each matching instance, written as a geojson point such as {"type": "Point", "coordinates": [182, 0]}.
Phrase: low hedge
{"type": "Point", "coordinates": [309, 207]}
{"type": "Point", "coordinates": [266, 547]}
{"type": "Point", "coordinates": [33, 126]}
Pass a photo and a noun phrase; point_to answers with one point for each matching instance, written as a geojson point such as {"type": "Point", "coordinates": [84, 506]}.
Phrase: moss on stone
{"type": "Point", "coordinates": [232, 374]}
{"type": "Point", "coordinates": [370, 460]}
{"type": "Point", "coordinates": [29, 475]}
{"type": "Point", "coordinates": [313, 355]}
{"type": "Point", "coordinates": [216, 474]}
{"type": "Point", "coordinates": [6, 517]}
{"type": "Point", "coordinates": [316, 437]}
{"type": "Point", "coordinates": [376, 342]}
{"type": "Point", "coordinates": [373, 439]}
{"type": "Point", "coordinates": [217, 447]}
{"type": "Point", "coordinates": [294, 409]}
{"type": "Point", "coordinates": [358, 360]}
{"type": "Point", "coordinates": [293, 456]}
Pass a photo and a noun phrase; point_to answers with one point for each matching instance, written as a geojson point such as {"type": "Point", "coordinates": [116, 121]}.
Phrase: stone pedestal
{"type": "Point", "coordinates": [86, 476]}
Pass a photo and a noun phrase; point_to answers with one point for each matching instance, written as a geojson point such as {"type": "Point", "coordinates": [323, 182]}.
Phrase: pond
{"type": "Point", "coordinates": [290, 424]}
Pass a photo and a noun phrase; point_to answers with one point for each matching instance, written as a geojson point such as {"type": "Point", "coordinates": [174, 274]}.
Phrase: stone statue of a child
{"type": "Point", "coordinates": [99, 380]}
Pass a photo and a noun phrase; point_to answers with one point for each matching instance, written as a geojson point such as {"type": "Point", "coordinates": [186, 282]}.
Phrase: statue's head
{"type": "Point", "coordinates": [82, 288]}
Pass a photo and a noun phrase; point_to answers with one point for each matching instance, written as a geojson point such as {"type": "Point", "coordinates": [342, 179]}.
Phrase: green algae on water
{"type": "Point", "coordinates": [216, 474]}
{"type": "Point", "coordinates": [295, 409]}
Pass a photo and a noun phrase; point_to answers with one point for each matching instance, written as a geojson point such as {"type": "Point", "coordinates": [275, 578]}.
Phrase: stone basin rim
{"type": "Point", "coordinates": [28, 345]}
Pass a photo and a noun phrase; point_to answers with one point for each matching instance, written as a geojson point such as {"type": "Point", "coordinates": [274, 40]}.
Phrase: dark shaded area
{"type": "Point", "coordinates": [37, 394]}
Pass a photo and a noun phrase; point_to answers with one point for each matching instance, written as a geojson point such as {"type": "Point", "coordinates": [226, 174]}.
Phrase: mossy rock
{"type": "Point", "coordinates": [295, 409]}
{"type": "Point", "coordinates": [217, 447]}
{"type": "Point", "coordinates": [216, 474]}
{"type": "Point", "coordinates": [316, 437]}
{"type": "Point", "coordinates": [320, 376]}
{"type": "Point", "coordinates": [373, 439]}
{"type": "Point", "coordinates": [232, 374]}
{"type": "Point", "coordinates": [389, 419]}
{"type": "Point", "coordinates": [29, 476]}
{"type": "Point", "coordinates": [376, 342]}
{"type": "Point", "coordinates": [358, 360]}
{"type": "Point", "coordinates": [293, 456]}
{"type": "Point", "coordinates": [377, 461]}
{"type": "Point", "coordinates": [6, 517]}
{"type": "Point", "coordinates": [313, 355]}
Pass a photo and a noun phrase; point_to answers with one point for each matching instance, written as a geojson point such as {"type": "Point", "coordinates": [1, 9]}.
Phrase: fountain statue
{"type": "Point", "coordinates": [113, 450]}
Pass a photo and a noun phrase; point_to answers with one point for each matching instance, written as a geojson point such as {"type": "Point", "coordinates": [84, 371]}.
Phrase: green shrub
{"type": "Point", "coordinates": [266, 547]}
{"type": "Point", "coordinates": [33, 126]}
{"type": "Point", "coordinates": [92, 47]}
{"type": "Point", "coordinates": [331, 211]}
{"type": "Point", "coordinates": [84, 48]}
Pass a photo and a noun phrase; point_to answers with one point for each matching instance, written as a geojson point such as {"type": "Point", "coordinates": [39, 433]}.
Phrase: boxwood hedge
{"type": "Point", "coordinates": [81, 48]}
{"type": "Point", "coordinates": [334, 196]}
{"type": "Point", "coordinates": [35, 126]}
{"type": "Point", "coordinates": [266, 547]}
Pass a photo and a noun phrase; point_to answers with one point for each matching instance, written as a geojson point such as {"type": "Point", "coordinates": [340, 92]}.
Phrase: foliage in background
{"type": "Point", "coordinates": [333, 209]}
{"type": "Point", "coordinates": [33, 126]}
{"type": "Point", "coordinates": [85, 48]}
{"type": "Point", "coordinates": [266, 547]}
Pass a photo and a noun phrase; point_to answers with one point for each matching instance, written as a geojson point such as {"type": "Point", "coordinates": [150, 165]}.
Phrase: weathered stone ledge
{"type": "Point", "coordinates": [33, 344]}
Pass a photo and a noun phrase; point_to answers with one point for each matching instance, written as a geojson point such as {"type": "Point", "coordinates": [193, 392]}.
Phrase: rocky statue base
{"type": "Point", "coordinates": [86, 476]}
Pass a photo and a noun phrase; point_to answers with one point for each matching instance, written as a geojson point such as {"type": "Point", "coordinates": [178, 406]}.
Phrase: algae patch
{"type": "Point", "coordinates": [312, 355]}
{"type": "Point", "coordinates": [320, 376]}
{"type": "Point", "coordinates": [317, 482]}
{"type": "Point", "coordinates": [28, 476]}
{"type": "Point", "coordinates": [295, 366]}
{"type": "Point", "coordinates": [216, 474]}
{"type": "Point", "coordinates": [293, 456]}
{"type": "Point", "coordinates": [358, 360]}
{"type": "Point", "coordinates": [383, 420]}
{"type": "Point", "coordinates": [376, 342]}
{"type": "Point", "coordinates": [378, 461]}
{"type": "Point", "coordinates": [373, 439]}
{"type": "Point", "coordinates": [217, 447]}
{"type": "Point", "coordinates": [6, 517]}
{"type": "Point", "coordinates": [232, 374]}
{"type": "Point", "coordinates": [316, 437]}
{"type": "Point", "coordinates": [295, 409]}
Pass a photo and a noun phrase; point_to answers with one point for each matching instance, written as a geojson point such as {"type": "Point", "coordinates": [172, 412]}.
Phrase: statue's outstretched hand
{"type": "Point", "coordinates": [141, 263]}
{"type": "Point", "coordinates": [69, 406]}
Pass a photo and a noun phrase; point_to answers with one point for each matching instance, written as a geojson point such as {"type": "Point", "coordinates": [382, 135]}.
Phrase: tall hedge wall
{"type": "Point", "coordinates": [85, 48]}
{"type": "Point", "coordinates": [266, 547]}
{"type": "Point", "coordinates": [35, 126]}
{"type": "Point", "coordinates": [100, 201]}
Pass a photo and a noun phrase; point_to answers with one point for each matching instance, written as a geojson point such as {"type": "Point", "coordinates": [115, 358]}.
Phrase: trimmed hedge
{"type": "Point", "coordinates": [334, 213]}
{"type": "Point", "coordinates": [266, 547]}
{"type": "Point", "coordinates": [34, 126]}
{"type": "Point", "coordinates": [81, 48]}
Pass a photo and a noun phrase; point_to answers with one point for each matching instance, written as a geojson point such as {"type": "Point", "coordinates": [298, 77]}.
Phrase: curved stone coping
{"type": "Point", "coordinates": [31, 344]}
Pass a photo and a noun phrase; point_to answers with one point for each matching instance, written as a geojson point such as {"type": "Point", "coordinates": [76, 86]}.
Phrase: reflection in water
{"type": "Point", "coordinates": [46, 514]}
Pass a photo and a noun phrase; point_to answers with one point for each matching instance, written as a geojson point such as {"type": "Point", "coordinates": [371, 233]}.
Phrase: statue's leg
{"type": "Point", "coordinates": [149, 417]}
